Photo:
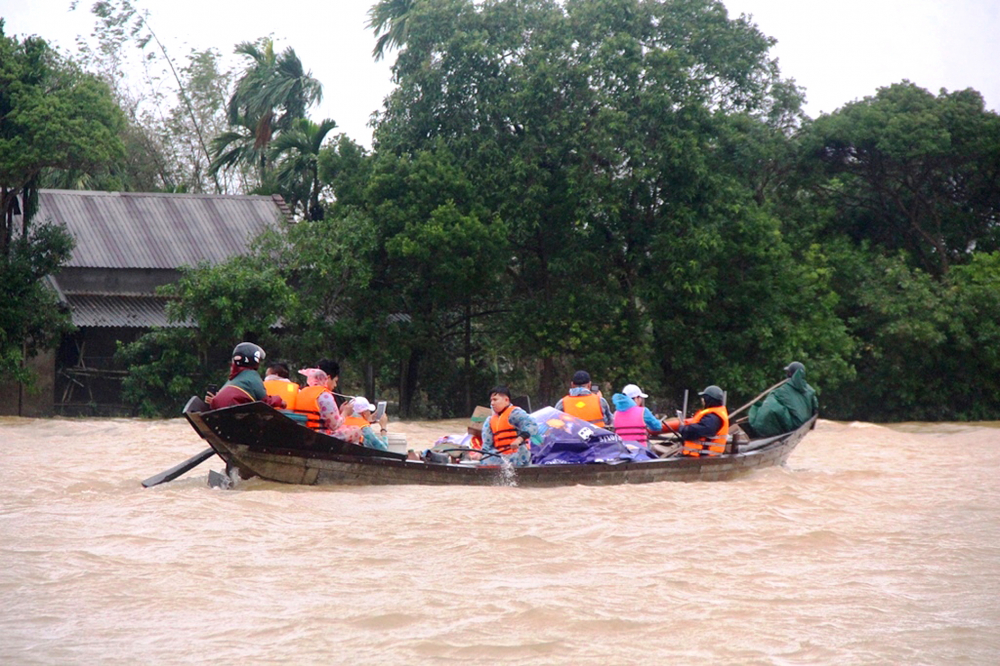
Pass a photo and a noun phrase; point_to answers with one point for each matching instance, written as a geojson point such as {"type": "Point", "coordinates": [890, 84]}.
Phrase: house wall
{"type": "Point", "coordinates": [17, 399]}
{"type": "Point", "coordinates": [115, 280]}
{"type": "Point", "coordinates": [90, 384]}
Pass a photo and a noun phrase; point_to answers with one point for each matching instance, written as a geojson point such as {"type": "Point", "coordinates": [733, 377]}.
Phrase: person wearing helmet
{"type": "Point", "coordinates": [245, 384]}
{"type": "Point", "coordinates": [705, 433]}
{"type": "Point", "coordinates": [787, 407]}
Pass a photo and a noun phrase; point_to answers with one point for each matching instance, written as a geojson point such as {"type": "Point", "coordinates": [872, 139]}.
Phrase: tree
{"type": "Point", "coordinates": [295, 152]}
{"type": "Point", "coordinates": [388, 20]}
{"type": "Point", "coordinates": [913, 172]}
{"type": "Point", "coordinates": [172, 112]}
{"type": "Point", "coordinates": [235, 150]}
{"type": "Point", "coordinates": [31, 319]}
{"type": "Point", "coordinates": [441, 267]}
{"type": "Point", "coordinates": [242, 299]}
{"type": "Point", "coordinates": [273, 91]}
{"type": "Point", "coordinates": [52, 116]}
{"type": "Point", "coordinates": [597, 130]}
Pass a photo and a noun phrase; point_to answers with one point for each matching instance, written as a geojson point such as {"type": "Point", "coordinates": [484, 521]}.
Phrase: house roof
{"type": "Point", "coordinates": [146, 230]}
{"type": "Point", "coordinates": [119, 310]}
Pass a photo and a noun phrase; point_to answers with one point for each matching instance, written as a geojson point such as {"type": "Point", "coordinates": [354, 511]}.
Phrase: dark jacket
{"type": "Point", "coordinates": [786, 408]}
{"type": "Point", "coordinates": [245, 387]}
{"type": "Point", "coordinates": [708, 426]}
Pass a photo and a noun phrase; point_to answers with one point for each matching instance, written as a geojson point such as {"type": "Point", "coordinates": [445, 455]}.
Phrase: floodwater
{"type": "Point", "coordinates": [874, 545]}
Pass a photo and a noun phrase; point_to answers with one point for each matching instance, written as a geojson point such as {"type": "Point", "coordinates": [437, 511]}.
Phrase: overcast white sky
{"type": "Point", "coordinates": [839, 50]}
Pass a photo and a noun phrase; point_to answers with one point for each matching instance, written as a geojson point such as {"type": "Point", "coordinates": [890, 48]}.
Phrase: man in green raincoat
{"type": "Point", "coordinates": [789, 406]}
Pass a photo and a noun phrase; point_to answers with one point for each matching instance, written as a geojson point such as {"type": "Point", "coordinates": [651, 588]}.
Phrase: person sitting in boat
{"type": "Point", "coordinates": [507, 432]}
{"type": "Point", "coordinates": [245, 384]}
{"type": "Point", "coordinates": [633, 420]}
{"type": "Point", "coordinates": [706, 432]}
{"type": "Point", "coordinates": [583, 403]}
{"type": "Point", "coordinates": [787, 407]}
{"type": "Point", "coordinates": [276, 382]}
{"type": "Point", "coordinates": [277, 372]}
{"type": "Point", "coordinates": [317, 403]}
{"type": "Point", "coordinates": [362, 416]}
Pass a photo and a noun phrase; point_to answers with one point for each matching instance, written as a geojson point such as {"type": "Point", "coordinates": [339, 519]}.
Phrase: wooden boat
{"type": "Point", "coordinates": [259, 440]}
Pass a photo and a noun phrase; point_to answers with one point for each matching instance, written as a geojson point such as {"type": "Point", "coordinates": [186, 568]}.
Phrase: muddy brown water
{"type": "Point", "coordinates": [874, 545]}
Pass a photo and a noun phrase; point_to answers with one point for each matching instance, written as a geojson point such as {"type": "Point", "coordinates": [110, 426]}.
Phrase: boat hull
{"type": "Point", "coordinates": [260, 441]}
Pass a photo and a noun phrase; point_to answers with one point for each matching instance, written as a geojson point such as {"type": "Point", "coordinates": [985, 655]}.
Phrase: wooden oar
{"type": "Point", "coordinates": [782, 382]}
{"type": "Point", "coordinates": [174, 472]}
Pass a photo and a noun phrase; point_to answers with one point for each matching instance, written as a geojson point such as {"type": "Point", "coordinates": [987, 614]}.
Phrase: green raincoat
{"type": "Point", "coordinates": [786, 408]}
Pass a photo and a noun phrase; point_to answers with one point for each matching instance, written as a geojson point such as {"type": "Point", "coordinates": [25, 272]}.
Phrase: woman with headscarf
{"type": "Point", "coordinates": [317, 403]}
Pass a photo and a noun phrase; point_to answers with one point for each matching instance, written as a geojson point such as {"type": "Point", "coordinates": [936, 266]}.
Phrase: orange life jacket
{"type": "Point", "coordinates": [307, 402]}
{"type": "Point", "coordinates": [714, 446]}
{"type": "Point", "coordinates": [287, 391]}
{"type": "Point", "coordinates": [586, 407]}
{"type": "Point", "coordinates": [357, 421]}
{"type": "Point", "coordinates": [504, 433]}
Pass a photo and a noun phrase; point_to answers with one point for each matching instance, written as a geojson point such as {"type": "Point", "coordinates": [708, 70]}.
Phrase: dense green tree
{"type": "Point", "coordinates": [598, 131]}
{"type": "Point", "coordinates": [31, 319]}
{"type": "Point", "coordinates": [52, 116]}
{"type": "Point", "coordinates": [969, 375]}
{"type": "Point", "coordinates": [440, 267]}
{"type": "Point", "coordinates": [623, 185]}
{"type": "Point", "coordinates": [212, 306]}
{"type": "Point", "coordinates": [911, 171]}
{"type": "Point", "coordinates": [346, 167]}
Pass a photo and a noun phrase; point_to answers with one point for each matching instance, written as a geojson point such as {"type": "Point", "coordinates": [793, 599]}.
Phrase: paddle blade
{"type": "Point", "coordinates": [174, 472]}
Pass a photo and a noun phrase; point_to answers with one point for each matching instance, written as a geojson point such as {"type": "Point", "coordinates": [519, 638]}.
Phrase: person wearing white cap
{"type": "Point", "coordinates": [633, 420]}
{"type": "Point", "coordinates": [362, 416]}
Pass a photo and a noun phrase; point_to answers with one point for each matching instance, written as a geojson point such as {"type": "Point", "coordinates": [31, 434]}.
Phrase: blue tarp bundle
{"type": "Point", "coordinates": [566, 439]}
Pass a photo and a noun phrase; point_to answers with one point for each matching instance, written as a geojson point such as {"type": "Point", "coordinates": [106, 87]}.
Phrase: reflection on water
{"type": "Point", "coordinates": [875, 545]}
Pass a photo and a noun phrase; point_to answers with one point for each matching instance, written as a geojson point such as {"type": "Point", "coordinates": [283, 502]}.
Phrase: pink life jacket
{"type": "Point", "coordinates": [630, 426]}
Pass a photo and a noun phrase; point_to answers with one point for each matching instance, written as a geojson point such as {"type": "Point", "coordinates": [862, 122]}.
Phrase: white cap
{"type": "Point", "coordinates": [633, 391]}
{"type": "Point", "coordinates": [361, 405]}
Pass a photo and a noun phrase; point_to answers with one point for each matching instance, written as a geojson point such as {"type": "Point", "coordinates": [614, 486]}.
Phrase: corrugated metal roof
{"type": "Point", "coordinates": [118, 310]}
{"type": "Point", "coordinates": [144, 230]}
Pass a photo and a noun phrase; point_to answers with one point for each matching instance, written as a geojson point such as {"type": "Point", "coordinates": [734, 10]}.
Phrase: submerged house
{"type": "Point", "coordinates": [127, 245]}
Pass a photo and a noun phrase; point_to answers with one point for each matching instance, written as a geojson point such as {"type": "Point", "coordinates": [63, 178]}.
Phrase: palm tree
{"type": "Point", "coordinates": [274, 91]}
{"type": "Point", "coordinates": [237, 149]}
{"type": "Point", "coordinates": [296, 154]}
{"type": "Point", "coordinates": [389, 17]}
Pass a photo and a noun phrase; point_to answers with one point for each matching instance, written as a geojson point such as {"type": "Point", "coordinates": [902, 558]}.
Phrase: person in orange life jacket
{"type": "Point", "coordinates": [361, 415]}
{"type": "Point", "coordinates": [508, 431]}
{"type": "Point", "coordinates": [276, 382]}
{"type": "Point", "coordinates": [633, 420]}
{"type": "Point", "coordinates": [317, 402]}
{"type": "Point", "coordinates": [245, 384]}
{"type": "Point", "coordinates": [277, 372]}
{"type": "Point", "coordinates": [705, 433]}
{"type": "Point", "coordinates": [584, 404]}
